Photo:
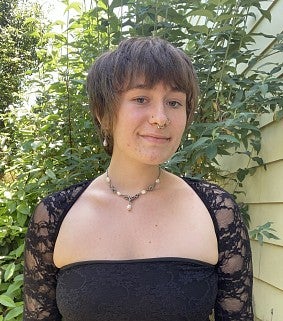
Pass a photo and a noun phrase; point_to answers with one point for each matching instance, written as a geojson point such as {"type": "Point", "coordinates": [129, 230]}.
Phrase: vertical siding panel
{"type": "Point", "coordinates": [264, 190]}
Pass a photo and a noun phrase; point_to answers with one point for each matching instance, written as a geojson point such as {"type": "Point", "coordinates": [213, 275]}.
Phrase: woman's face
{"type": "Point", "coordinates": [141, 110]}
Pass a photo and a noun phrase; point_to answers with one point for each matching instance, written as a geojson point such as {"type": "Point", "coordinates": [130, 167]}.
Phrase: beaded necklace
{"type": "Point", "coordinates": [132, 198]}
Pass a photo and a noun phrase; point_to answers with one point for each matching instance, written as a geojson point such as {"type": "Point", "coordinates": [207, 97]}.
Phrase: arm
{"type": "Point", "coordinates": [39, 270]}
{"type": "Point", "coordinates": [40, 273]}
{"type": "Point", "coordinates": [235, 278]}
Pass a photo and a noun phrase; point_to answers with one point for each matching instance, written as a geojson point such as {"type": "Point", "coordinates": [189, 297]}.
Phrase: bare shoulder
{"type": "Point", "coordinates": [178, 185]}
{"type": "Point", "coordinates": [195, 222]}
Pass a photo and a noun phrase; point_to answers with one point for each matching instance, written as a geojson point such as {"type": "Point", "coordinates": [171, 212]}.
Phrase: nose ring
{"type": "Point", "coordinates": [168, 121]}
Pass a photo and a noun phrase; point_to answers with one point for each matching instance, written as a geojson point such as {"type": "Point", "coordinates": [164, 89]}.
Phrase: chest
{"type": "Point", "coordinates": [170, 226]}
{"type": "Point", "coordinates": [144, 290]}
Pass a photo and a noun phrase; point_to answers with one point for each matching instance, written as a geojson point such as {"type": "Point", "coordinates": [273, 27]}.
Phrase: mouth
{"type": "Point", "coordinates": [155, 138]}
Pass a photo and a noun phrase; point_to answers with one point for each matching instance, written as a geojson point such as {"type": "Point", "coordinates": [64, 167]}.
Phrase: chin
{"type": "Point", "coordinates": [156, 159]}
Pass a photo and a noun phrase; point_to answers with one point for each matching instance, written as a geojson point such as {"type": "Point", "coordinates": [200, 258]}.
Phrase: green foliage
{"type": "Point", "coordinates": [19, 36]}
{"type": "Point", "coordinates": [51, 143]}
{"type": "Point", "coordinates": [18, 41]}
{"type": "Point", "coordinates": [263, 231]}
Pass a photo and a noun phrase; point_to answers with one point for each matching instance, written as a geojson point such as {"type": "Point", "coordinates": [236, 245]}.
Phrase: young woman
{"type": "Point", "coordinates": [139, 243]}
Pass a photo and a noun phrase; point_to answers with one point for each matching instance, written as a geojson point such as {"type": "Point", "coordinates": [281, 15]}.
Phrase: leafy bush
{"type": "Point", "coordinates": [51, 143]}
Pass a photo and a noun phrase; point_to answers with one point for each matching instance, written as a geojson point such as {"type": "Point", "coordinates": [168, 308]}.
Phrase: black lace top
{"type": "Point", "coordinates": [157, 289]}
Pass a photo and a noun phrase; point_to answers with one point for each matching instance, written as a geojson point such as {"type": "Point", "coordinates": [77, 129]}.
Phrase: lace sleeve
{"type": "Point", "coordinates": [39, 271]}
{"type": "Point", "coordinates": [235, 277]}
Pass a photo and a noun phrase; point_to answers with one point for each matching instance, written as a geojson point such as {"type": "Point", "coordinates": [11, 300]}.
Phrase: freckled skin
{"type": "Point", "coordinates": [139, 112]}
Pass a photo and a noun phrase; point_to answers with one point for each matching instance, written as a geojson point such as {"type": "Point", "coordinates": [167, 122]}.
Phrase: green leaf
{"type": "Point", "coordinates": [242, 173]}
{"type": "Point", "coordinates": [200, 28]}
{"type": "Point", "coordinates": [225, 16]}
{"type": "Point", "coordinates": [275, 70]}
{"type": "Point", "coordinates": [21, 194]}
{"type": "Point", "coordinates": [14, 287]}
{"type": "Point", "coordinates": [9, 271]}
{"type": "Point", "coordinates": [260, 238]}
{"type": "Point", "coordinates": [6, 301]}
{"type": "Point", "coordinates": [201, 142]}
{"type": "Point", "coordinates": [252, 171]}
{"type": "Point", "coordinates": [218, 2]}
{"type": "Point", "coordinates": [264, 89]}
{"type": "Point", "coordinates": [256, 145]}
{"type": "Point", "coordinates": [266, 14]}
{"type": "Point", "coordinates": [259, 160]}
{"type": "Point", "coordinates": [211, 151]}
{"type": "Point", "coordinates": [50, 174]}
{"type": "Point", "coordinates": [265, 226]}
{"type": "Point", "coordinates": [20, 250]}
{"type": "Point", "coordinates": [74, 5]}
{"type": "Point", "coordinates": [23, 208]}
{"type": "Point", "coordinates": [229, 138]}
{"type": "Point", "coordinates": [14, 313]}
{"type": "Point", "coordinates": [253, 234]}
{"type": "Point", "coordinates": [19, 277]}
{"type": "Point", "coordinates": [278, 115]}
{"type": "Point", "coordinates": [21, 219]}
{"type": "Point", "coordinates": [202, 12]}
{"type": "Point", "coordinates": [36, 144]}
{"type": "Point", "coordinates": [270, 235]}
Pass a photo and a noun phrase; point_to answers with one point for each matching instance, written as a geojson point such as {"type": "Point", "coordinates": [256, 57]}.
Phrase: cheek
{"type": "Point", "coordinates": [179, 130]}
{"type": "Point", "coordinates": [179, 115]}
{"type": "Point", "coordinates": [180, 124]}
{"type": "Point", "coordinates": [128, 119]}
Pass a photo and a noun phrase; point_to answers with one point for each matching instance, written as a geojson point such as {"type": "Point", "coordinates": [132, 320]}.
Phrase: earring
{"type": "Point", "coordinates": [105, 143]}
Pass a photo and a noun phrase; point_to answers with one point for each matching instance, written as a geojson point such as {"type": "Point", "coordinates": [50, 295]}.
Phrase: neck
{"type": "Point", "coordinates": [132, 178]}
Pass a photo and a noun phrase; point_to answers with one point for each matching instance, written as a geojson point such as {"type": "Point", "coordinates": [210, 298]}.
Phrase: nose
{"type": "Point", "coordinates": [158, 115]}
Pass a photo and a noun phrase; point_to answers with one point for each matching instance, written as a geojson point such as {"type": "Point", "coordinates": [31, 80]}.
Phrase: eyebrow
{"type": "Point", "coordinates": [144, 86]}
{"type": "Point", "coordinates": [139, 86]}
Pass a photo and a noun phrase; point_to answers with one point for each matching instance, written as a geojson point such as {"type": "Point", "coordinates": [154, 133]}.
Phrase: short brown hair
{"type": "Point", "coordinates": [152, 58]}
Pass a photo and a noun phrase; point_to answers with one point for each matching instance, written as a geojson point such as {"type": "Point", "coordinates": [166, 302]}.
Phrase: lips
{"type": "Point", "coordinates": [155, 138]}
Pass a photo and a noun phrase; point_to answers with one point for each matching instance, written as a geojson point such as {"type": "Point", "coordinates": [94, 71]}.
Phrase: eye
{"type": "Point", "coordinates": [140, 100]}
{"type": "Point", "coordinates": [174, 103]}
